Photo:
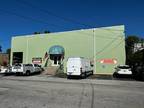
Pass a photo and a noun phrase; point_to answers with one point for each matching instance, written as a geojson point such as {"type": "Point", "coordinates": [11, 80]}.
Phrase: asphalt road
{"type": "Point", "coordinates": [63, 93]}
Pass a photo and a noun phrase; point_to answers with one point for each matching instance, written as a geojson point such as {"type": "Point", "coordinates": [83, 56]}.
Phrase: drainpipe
{"type": "Point", "coordinates": [94, 52]}
{"type": "Point", "coordinates": [27, 44]}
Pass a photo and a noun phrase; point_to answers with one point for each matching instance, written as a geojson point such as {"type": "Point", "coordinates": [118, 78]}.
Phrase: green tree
{"type": "Point", "coordinates": [132, 58]}
{"type": "Point", "coordinates": [130, 41]}
{"type": "Point", "coordinates": [36, 32]}
{"type": "Point", "coordinates": [47, 31]}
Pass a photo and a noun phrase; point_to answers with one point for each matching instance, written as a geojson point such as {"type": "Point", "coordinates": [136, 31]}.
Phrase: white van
{"type": "Point", "coordinates": [79, 66]}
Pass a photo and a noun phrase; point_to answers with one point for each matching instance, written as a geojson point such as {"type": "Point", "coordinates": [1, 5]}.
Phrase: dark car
{"type": "Point", "coordinates": [138, 72]}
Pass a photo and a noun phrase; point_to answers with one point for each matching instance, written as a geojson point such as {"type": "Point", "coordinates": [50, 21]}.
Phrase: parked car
{"type": "Point", "coordinates": [123, 70]}
{"type": "Point", "coordinates": [138, 72]}
{"type": "Point", "coordinates": [26, 69]}
{"type": "Point", "coordinates": [79, 66]}
{"type": "Point", "coordinates": [5, 69]}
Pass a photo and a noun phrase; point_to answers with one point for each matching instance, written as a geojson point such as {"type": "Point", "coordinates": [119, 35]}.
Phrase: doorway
{"type": "Point", "coordinates": [56, 54]}
{"type": "Point", "coordinates": [56, 59]}
{"type": "Point", "coordinates": [17, 57]}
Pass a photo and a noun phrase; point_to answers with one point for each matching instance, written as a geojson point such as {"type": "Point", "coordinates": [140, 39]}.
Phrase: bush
{"type": "Point", "coordinates": [60, 72]}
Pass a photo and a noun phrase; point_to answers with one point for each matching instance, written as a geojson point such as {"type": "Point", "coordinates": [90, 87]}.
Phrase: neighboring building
{"type": "Point", "coordinates": [138, 46]}
{"type": "Point", "coordinates": [4, 59]}
{"type": "Point", "coordinates": [105, 45]}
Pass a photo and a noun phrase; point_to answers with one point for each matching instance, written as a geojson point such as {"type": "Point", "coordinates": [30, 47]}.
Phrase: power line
{"type": "Point", "coordinates": [88, 34]}
{"type": "Point", "coordinates": [105, 47]}
{"type": "Point", "coordinates": [40, 21]}
{"type": "Point", "coordinates": [110, 44]}
{"type": "Point", "coordinates": [58, 16]}
{"type": "Point", "coordinates": [28, 18]}
{"type": "Point", "coordinates": [118, 44]}
{"type": "Point", "coordinates": [43, 22]}
{"type": "Point", "coordinates": [52, 14]}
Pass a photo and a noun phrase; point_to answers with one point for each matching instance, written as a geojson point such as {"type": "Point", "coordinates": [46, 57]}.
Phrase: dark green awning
{"type": "Point", "coordinates": [56, 50]}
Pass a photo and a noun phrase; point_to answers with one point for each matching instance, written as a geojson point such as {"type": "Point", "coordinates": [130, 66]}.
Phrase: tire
{"type": "Point", "coordinates": [115, 75]}
{"type": "Point", "coordinates": [21, 74]}
{"type": "Point", "coordinates": [68, 77]}
{"type": "Point", "coordinates": [92, 72]}
{"type": "Point", "coordinates": [17, 74]}
{"type": "Point", "coordinates": [83, 75]}
{"type": "Point", "coordinates": [28, 73]}
{"type": "Point", "coordinates": [142, 76]}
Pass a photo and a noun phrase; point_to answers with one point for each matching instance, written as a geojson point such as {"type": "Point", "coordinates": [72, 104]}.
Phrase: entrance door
{"type": "Point", "coordinates": [56, 59]}
{"type": "Point", "coordinates": [17, 57]}
{"type": "Point", "coordinates": [56, 54]}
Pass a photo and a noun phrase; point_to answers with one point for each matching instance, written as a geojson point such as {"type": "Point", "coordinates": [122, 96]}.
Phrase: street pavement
{"type": "Point", "coordinates": [52, 92]}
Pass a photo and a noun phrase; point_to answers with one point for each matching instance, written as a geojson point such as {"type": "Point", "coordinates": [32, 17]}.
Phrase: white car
{"type": "Point", "coordinates": [123, 70]}
{"type": "Point", "coordinates": [26, 69]}
{"type": "Point", "coordinates": [4, 70]}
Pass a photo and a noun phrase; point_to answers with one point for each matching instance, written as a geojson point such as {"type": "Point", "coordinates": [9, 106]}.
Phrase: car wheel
{"type": "Point", "coordinates": [142, 76]}
{"type": "Point", "coordinates": [85, 75]}
{"type": "Point", "coordinates": [28, 73]}
{"type": "Point", "coordinates": [92, 73]}
{"type": "Point", "coordinates": [17, 74]}
{"type": "Point", "coordinates": [115, 75]}
{"type": "Point", "coordinates": [68, 77]}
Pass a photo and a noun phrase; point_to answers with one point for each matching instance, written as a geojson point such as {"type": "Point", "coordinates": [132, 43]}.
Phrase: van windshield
{"type": "Point", "coordinates": [73, 63]}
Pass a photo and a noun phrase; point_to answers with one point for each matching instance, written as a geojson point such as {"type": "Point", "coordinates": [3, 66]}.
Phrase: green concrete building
{"type": "Point", "coordinates": [104, 46]}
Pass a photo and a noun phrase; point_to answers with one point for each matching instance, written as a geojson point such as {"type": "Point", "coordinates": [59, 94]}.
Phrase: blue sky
{"type": "Point", "coordinates": [20, 17]}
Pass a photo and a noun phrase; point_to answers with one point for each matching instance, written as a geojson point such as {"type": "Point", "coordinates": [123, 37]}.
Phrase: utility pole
{"type": "Point", "coordinates": [94, 50]}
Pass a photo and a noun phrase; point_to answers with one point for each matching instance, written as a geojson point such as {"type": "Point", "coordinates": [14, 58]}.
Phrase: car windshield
{"type": "Point", "coordinates": [124, 67]}
{"type": "Point", "coordinates": [17, 65]}
{"type": "Point", "coordinates": [28, 65]}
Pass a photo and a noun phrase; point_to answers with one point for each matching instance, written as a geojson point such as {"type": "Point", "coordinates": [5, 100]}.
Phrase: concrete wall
{"type": "Point", "coordinates": [109, 41]}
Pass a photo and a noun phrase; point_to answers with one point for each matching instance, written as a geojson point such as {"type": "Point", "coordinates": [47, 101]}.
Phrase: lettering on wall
{"type": "Point", "coordinates": [108, 61]}
{"type": "Point", "coordinates": [37, 60]}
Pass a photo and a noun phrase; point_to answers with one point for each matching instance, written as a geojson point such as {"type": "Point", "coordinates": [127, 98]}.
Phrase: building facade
{"type": "Point", "coordinates": [4, 59]}
{"type": "Point", "coordinates": [104, 46]}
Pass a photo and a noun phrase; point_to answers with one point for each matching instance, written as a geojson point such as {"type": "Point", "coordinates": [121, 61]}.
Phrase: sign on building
{"type": "Point", "coordinates": [37, 60]}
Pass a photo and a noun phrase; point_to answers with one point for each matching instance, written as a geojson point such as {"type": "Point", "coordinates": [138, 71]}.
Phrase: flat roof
{"type": "Point", "coordinates": [114, 28]}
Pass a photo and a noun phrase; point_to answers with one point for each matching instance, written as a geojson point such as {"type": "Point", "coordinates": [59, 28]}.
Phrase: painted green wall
{"type": "Point", "coordinates": [109, 44]}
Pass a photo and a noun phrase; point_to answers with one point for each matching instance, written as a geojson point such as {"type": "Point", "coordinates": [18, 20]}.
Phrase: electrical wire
{"type": "Point", "coordinates": [60, 17]}
{"type": "Point", "coordinates": [105, 47]}
{"type": "Point", "coordinates": [28, 18]}
{"type": "Point", "coordinates": [110, 44]}
{"type": "Point", "coordinates": [43, 22]}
